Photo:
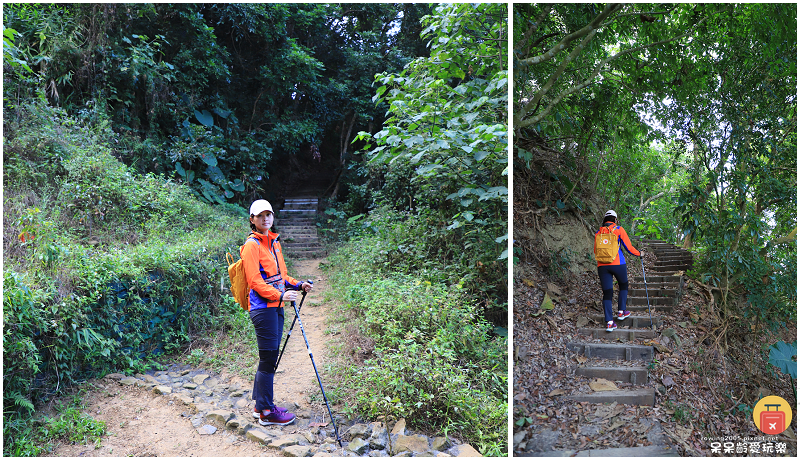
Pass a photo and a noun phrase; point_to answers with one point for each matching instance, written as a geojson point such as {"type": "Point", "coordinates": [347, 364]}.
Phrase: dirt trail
{"type": "Point", "coordinates": [140, 423]}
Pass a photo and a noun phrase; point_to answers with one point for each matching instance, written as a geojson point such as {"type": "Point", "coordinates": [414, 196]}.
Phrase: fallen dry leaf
{"type": "Point", "coordinates": [547, 303]}
{"type": "Point", "coordinates": [557, 392]}
{"type": "Point", "coordinates": [529, 283]}
{"type": "Point", "coordinates": [667, 381]}
{"type": "Point", "coordinates": [603, 385]}
{"type": "Point", "coordinates": [581, 359]}
{"type": "Point", "coordinates": [553, 289]}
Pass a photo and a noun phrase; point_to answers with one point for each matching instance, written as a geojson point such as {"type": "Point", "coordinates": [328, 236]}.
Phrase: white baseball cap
{"type": "Point", "coordinates": [610, 212]}
{"type": "Point", "coordinates": [260, 206]}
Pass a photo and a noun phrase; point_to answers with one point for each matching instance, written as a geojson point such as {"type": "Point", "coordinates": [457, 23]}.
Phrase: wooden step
{"type": "Point", "coordinates": [635, 375]}
{"type": "Point", "coordinates": [612, 351]}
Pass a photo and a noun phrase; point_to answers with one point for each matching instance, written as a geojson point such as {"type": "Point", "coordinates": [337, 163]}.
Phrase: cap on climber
{"type": "Point", "coordinates": [260, 206]}
{"type": "Point", "coordinates": [610, 212]}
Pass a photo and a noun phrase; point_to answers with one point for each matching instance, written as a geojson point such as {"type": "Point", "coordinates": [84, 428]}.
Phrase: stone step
{"type": "Point", "coordinates": [300, 238]}
{"type": "Point", "coordinates": [653, 308]}
{"type": "Point", "coordinates": [307, 253]}
{"type": "Point", "coordinates": [647, 451]}
{"type": "Point", "coordinates": [670, 269]}
{"type": "Point", "coordinates": [651, 286]}
{"type": "Point", "coordinates": [304, 247]}
{"type": "Point", "coordinates": [635, 397]}
{"type": "Point", "coordinates": [658, 279]}
{"type": "Point", "coordinates": [297, 228]}
{"type": "Point", "coordinates": [635, 375]}
{"type": "Point", "coordinates": [651, 291]}
{"type": "Point", "coordinates": [634, 322]}
{"type": "Point", "coordinates": [674, 260]}
{"type": "Point", "coordinates": [612, 351]}
{"type": "Point", "coordinates": [299, 223]}
{"type": "Point", "coordinates": [670, 301]}
{"type": "Point", "coordinates": [619, 333]}
{"type": "Point", "coordinates": [294, 213]}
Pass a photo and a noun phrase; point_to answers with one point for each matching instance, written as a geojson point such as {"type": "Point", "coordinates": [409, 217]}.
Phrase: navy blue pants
{"type": "Point", "coordinates": [607, 273]}
{"type": "Point", "coordinates": [268, 323]}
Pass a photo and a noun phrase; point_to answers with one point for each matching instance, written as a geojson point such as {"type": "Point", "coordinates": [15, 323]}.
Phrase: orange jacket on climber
{"type": "Point", "coordinates": [624, 242]}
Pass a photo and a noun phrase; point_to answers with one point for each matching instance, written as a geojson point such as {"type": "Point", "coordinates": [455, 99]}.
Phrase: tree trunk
{"type": "Point", "coordinates": [344, 142]}
{"type": "Point", "coordinates": [643, 205]}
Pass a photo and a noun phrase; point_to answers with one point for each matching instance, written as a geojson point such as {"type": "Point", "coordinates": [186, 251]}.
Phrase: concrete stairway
{"type": "Point", "coordinates": [664, 289]}
{"type": "Point", "coordinates": [297, 225]}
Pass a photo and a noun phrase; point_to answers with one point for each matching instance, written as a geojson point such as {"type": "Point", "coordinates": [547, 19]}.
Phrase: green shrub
{"type": "Point", "coordinates": [432, 357]}
{"type": "Point", "coordinates": [106, 270]}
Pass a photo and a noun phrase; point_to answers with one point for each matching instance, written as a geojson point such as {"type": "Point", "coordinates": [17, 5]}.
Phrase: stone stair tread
{"type": "Point", "coordinates": [634, 321]}
{"type": "Point", "coordinates": [646, 451]}
{"type": "Point", "coordinates": [627, 352]}
{"type": "Point", "coordinates": [619, 333]}
{"type": "Point", "coordinates": [637, 396]}
{"type": "Point", "coordinates": [636, 375]}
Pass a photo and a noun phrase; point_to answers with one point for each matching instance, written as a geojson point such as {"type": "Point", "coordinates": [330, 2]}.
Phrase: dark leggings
{"type": "Point", "coordinates": [268, 323]}
{"type": "Point", "coordinates": [607, 273]}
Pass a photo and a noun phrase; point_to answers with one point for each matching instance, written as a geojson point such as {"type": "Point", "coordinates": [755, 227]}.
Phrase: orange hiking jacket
{"type": "Point", "coordinates": [624, 242]}
{"type": "Point", "coordinates": [265, 270]}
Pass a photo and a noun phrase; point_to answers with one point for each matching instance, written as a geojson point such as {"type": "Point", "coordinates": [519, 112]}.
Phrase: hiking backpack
{"type": "Point", "coordinates": [606, 245]}
{"type": "Point", "coordinates": [239, 287]}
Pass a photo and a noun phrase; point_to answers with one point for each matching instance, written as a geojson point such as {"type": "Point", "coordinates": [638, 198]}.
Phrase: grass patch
{"type": "Point", "coordinates": [414, 346]}
{"type": "Point", "coordinates": [36, 437]}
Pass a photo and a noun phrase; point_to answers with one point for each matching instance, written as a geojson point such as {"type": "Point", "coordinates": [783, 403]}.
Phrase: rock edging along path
{"type": "Point", "coordinates": [214, 406]}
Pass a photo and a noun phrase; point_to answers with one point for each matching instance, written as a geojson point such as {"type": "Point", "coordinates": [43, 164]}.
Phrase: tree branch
{"type": "Point", "coordinates": [524, 123]}
{"type": "Point", "coordinates": [560, 46]}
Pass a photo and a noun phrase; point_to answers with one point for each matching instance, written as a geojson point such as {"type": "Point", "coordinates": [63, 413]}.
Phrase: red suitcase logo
{"type": "Point", "coordinates": [773, 422]}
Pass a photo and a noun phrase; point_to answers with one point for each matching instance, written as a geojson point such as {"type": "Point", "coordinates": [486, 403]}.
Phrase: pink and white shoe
{"type": "Point", "coordinates": [276, 417]}
{"type": "Point", "coordinates": [257, 414]}
{"type": "Point", "coordinates": [611, 326]}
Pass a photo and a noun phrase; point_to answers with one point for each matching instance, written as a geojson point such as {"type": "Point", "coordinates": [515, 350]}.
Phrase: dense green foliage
{"type": "Point", "coordinates": [220, 96]}
{"type": "Point", "coordinates": [680, 117]}
{"type": "Point", "coordinates": [442, 153]}
{"type": "Point", "coordinates": [104, 269]}
{"type": "Point", "coordinates": [431, 357]}
{"type": "Point", "coordinates": [424, 268]}
{"type": "Point", "coordinates": [133, 132]}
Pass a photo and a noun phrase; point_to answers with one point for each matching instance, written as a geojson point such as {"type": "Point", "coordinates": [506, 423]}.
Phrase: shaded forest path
{"type": "Point", "coordinates": [608, 373]}
{"type": "Point", "coordinates": [144, 419]}
{"type": "Point", "coordinates": [193, 412]}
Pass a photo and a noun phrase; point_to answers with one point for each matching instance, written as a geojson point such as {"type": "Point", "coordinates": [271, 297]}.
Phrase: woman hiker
{"type": "Point", "coordinates": [265, 271]}
{"type": "Point", "coordinates": [611, 263]}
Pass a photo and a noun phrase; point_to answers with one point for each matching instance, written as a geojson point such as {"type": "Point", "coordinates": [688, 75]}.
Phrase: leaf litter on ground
{"type": "Point", "coordinates": [698, 389]}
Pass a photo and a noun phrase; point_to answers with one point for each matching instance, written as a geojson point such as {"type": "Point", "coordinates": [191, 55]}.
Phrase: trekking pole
{"type": "Point", "coordinates": [311, 355]}
{"type": "Point", "coordinates": [289, 334]}
{"type": "Point", "coordinates": [652, 326]}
